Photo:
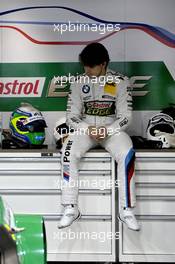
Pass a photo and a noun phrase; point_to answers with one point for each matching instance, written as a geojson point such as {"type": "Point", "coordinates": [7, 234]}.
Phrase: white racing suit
{"type": "Point", "coordinates": [106, 104]}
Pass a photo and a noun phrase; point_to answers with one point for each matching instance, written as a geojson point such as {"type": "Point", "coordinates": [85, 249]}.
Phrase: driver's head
{"type": "Point", "coordinates": [95, 59]}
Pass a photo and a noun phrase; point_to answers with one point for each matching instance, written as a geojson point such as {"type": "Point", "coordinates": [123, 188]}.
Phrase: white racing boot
{"type": "Point", "coordinates": [127, 216]}
{"type": "Point", "coordinates": [71, 213]}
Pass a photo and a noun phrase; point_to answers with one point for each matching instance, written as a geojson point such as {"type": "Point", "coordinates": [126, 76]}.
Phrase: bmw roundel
{"type": "Point", "coordinates": [86, 88]}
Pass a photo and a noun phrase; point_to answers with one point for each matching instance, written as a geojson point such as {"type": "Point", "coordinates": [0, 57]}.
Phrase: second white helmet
{"type": "Point", "coordinates": [161, 128]}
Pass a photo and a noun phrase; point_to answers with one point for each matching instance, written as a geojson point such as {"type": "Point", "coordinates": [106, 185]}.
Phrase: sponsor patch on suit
{"type": "Point", "coordinates": [110, 88]}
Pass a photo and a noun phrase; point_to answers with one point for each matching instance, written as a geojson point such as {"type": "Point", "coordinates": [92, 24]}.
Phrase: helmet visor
{"type": "Point", "coordinates": [36, 126]}
{"type": "Point", "coordinates": [161, 118]}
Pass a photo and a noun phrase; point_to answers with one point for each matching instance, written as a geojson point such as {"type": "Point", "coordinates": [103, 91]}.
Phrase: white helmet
{"type": "Point", "coordinates": [57, 129]}
{"type": "Point", "coordinates": [61, 131]}
{"type": "Point", "coordinates": [161, 128]}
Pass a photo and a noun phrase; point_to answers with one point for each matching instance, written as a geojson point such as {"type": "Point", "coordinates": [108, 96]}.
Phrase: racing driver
{"type": "Point", "coordinates": [99, 100]}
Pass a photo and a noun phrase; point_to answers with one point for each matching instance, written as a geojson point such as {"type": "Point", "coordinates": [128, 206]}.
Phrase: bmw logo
{"type": "Point", "coordinates": [86, 89]}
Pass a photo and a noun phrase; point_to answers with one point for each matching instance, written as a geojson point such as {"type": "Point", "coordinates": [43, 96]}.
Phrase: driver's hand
{"type": "Point", "coordinates": [97, 133]}
{"type": "Point", "coordinates": [102, 133]}
{"type": "Point", "coordinates": [93, 132]}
